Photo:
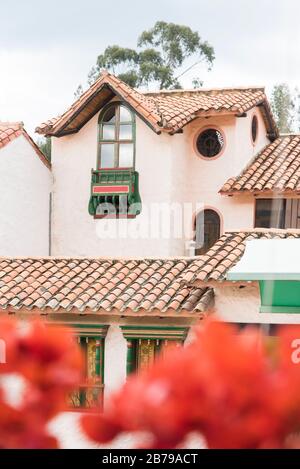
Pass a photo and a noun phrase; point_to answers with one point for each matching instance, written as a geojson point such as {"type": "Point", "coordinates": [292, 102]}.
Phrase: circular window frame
{"type": "Point", "coordinates": [199, 131]}
{"type": "Point", "coordinates": [254, 141]}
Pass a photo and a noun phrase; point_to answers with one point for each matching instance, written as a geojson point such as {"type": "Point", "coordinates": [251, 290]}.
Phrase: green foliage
{"type": "Point", "coordinates": [161, 51]}
{"type": "Point", "coordinates": [44, 145]}
{"type": "Point", "coordinates": [286, 107]}
{"type": "Point", "coordinates": [78, 91]}
{"type": "Point", "coordinates": [197, 83]}
{"type": "Point", "coordinates": [282, 107]}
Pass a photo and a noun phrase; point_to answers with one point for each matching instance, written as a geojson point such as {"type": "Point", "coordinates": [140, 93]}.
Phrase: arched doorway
{"type": "Point", "coordinates": [207, 230]}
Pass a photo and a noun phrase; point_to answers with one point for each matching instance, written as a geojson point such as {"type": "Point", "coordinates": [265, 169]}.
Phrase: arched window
{"type": "Point", "coordinates": [116, 137]}
{"type": "Point", "coordinates": [207, 230]}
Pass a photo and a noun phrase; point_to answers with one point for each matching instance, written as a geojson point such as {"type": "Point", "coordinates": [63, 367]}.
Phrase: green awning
{"type": "Point", "coordinates": [280, 296]}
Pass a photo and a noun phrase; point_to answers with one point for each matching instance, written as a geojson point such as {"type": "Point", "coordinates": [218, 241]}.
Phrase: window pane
{"type": "Point", "coordinates": [146, 354]}
{"type": "Point", "coordinates": [110, 115]}
{"type": "Point", "coordinates": [125, 132]}
{"type": "Point", "coordinates": [270, 213]}
{"type": "Point", "coordinates": [126, 155]}
{"type": "Point", "coordinates": [108, 132]}
{"type": "Point", "coordinates": [89, 393]}
{"type": "Point", "coordinates": [207, 230]}
{"type": "Point", "coordinates": [292, 213]}
{"type": "Point", "coordinates": [125, 115]}
{"type": "Point", "coordinates": [210, 142]}
{"type": "Point", "coordinates": [107, 155]}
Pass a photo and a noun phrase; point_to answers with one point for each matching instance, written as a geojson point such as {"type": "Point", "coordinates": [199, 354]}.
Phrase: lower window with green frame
{"type": "Point", "coordinates": [142, 353]}
{"type": "Point", "coordinates": [89, 395]}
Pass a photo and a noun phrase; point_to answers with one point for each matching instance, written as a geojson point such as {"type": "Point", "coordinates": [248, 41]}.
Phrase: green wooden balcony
{"type": "Point", "coordinates": [115, 188]}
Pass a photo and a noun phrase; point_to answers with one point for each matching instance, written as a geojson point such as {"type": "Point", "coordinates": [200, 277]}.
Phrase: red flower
{"type": "Point", "coordinates": [19, 430]}
{"type": "Point", "coordinates": [51, 363]}
{"type": "Point", "coordinates": [8, 344]}
{"type": "Point", "coordinates": [225, 386]}
{"type": "Point", "coordinates": [48, 356]}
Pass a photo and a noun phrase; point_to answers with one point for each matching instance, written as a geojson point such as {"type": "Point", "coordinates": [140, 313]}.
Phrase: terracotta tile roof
{"type": "Point", "coordinates": [180, 107]}
{"type": "Point", "coordinates": [108, 85]}
{"type": "Point", "coordinates": [127, 287]}
{"type": "Point", "coordinates": [11, 130]}
{"type": "Point", "coordinates": [275, 168]}
{"type": "Point", "coordinates": [226, 252]}
{"type": "Point", "coordinates": [166, 111]}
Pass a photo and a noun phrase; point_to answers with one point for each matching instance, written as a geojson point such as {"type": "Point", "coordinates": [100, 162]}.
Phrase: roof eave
{"type": "Point", "coordinates": [60, 128]}
{"type": "Point", "coordinates": [261, 192]}
{"type": "Point", "coordinates": [273, 131]}
{"type": "Point", "coordinates": [155, 313]}
{"type": "Point", "coordinates": [39, 153]}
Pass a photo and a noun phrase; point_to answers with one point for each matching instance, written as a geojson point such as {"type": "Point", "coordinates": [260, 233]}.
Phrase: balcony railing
{"type": "Point", "coordinates": [115, 188]}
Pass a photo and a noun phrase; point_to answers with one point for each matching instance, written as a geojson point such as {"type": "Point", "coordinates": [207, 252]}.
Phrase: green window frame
{"type": "Point", "coordinates": [146, 343]}
{"type": "Point", "coordinates": [88, 396]}
{"type": "Point", "coordinates": [142, 353]}
{"type": "Point", "coordinates": [116, 137]}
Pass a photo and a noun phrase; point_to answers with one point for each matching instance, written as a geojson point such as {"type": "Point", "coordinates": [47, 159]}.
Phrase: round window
{"type": "Point", "coordinates": [254, 126]}
{"type": "Point", "coordinates": [210, 143]}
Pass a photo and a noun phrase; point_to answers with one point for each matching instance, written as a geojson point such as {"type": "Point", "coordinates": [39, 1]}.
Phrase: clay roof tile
{"type": "Point", "coordinates": [166, 111]}
{"type": "Point", "coordinates": [275, 168]}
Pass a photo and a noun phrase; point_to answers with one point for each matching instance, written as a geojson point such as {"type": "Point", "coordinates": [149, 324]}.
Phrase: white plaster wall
{"type": "Point", "coordinates": [235, 304]}
{"type": "Point", "coordinates": [75, 232]}
{"type": "Point", "coordinates": [114, 360]}
{"type": "Point", "coordinates": [67, 429]}
{"type": "Point", "coordinates": [170, 172]}
{"type": "Point", "coordinates": [241, 305]}
{"type": "Point", "coordinates": [24, 201]}
{"type": "Point", "coordinates": [206, 177]}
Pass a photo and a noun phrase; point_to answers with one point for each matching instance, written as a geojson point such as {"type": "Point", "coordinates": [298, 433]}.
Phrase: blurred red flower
{"type": "Point", "coordinates": [50, 363]}
{"type": "Point", "coordinates": [226, 385]}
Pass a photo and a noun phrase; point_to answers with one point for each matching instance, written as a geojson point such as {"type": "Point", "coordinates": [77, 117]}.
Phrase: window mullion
{"type": "Point", "coordinates": [100, 139]}
{"type": "Point", "coordinates": [117, 136]}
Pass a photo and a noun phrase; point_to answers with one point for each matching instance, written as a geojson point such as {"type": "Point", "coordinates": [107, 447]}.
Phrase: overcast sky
{"type": "Point", "coordinates": [47, 48]}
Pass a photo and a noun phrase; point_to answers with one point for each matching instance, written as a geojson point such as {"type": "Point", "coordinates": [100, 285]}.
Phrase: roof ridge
{"type": "Point", "coordinates": [145, 106]}
{"type": "Point", "coordinates": [204, 90]}
{"type": "Point", "coordinates": [93, 258]}
{"type": "Point", "coordinates": [20, 124]}
{"type": "Point", "coordinates": [154, 107]}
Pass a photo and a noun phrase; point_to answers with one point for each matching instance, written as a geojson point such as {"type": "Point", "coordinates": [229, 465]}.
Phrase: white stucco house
{"type": "Point", "coordinates": [25, 191]}
{"type": "Point", "coordinates": [178, 147]}
{"type": "Point", "coordinates": [153, 199]}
